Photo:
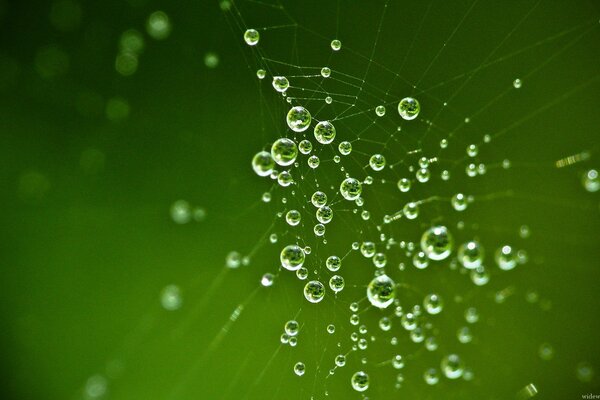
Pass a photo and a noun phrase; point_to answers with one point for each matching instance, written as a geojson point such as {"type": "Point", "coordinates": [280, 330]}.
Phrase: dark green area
{"type": "Point", "coordinates": [91, 161]}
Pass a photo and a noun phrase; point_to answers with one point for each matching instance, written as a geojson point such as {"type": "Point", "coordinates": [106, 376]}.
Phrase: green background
{"type": "Point", "coordinates": [87, 242]}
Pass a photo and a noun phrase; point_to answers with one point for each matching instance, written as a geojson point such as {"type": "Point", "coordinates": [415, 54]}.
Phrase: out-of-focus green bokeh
{"type": "Point", "coordinates": [91, 162]}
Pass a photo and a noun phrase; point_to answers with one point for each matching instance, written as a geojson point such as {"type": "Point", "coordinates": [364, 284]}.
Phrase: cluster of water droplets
{"type": "Point", "coordinates": [439, 246]}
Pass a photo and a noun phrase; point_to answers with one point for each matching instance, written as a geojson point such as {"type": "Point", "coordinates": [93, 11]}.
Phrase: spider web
{"type": "Point", "coordinates": [499, 79]}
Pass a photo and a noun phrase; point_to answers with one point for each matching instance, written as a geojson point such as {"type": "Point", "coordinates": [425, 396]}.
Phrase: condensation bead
{"type": "Point", "coordinates": [345, 148]}
{"type": "Point", "coordinates": [452, 366]}
{"type": "Point", "coordinates": [336, 283]}
{"type": "Point", "coordinates": [324, 132]}
{"type": "Point", "coordinates": [280, 83]}
{"type": "Point", "coordinates": [313, 161]}
{"type": "Point", "coordinates": [433, 304]}
{"type": "Point", "coordinates": [471, 254]}
{"type": "Point", "coordinates": [333, 263]}
{"type": "Point", "coordinates": [267, 280]}
{"type": "Point", "coordinates": [380, 111]}
{"type": "Point", "coordinates": [480, 276]}
{"type": "Point", "coordinates": [431, 343]}
{"type": "Point", "coordinates": [471, 170]}
{"type": "Point", "coordinates": [379, 260]}
{"type": "Point", "coordinates": [251, 37]}
{"type": "Point", "coordinates": [298, 119]}
{"type": "Point", "coordinates": [385, 324]}
{"type": "Point", "coordinates": [404, 185]}
{"type": "Point", "coordinates": [420, 260]}
{"type": "Point", "coordinates": [291, 327]}
{"type": "Point", "coordinates": [292, 257]}
{"type": "Point", "coordinates": [263, 163]}
{"type": "Point", "coordinates": [293, 217]}
{"type": "Point", "coordinates": [411, 210]}
{"type": "Point", "coordinates": [319, 230]}
{"type": "Point", "coordinates": [350, 189]}
{"type": "Point", "coordinates": [423, 175]}
{"type": "Point", "coordinates": [471, 315]}
{"type": "Point", "coordinates": [360, 381]}
{"type": "Point", "coordinates": [591, 180]}
{"type": "Point", "coordinates": [517, 83]}
{"type": "Point", "coordinates": [398, 362]}
{"type": "Point", "coordinates": [314, 291]}
{"type": "Point", "coordinates": [506, 258]}
{"type": "Point", "coordinates": [409, 108]}
{"type": "Point", "coordinates": [325, 72]}
{"type": "Point", "coordinates": [324, 214]}
{"type": "Point", "coordinates": [336, 45]}
{"type": "Point", "coordinates": [464, 335]}
{"type": "Point", "coordinates": [284, 151]}
{"type": "Point", "coordinates": [431, 376]}
{"type": "Point", "coordinates": [381, 291]}
{"type": "Point", "coordinates": [299, 368]}
{"type": "Point", "coordinates": [302, 273]}
{"type": "Point", "coordinates": [459, 202]}
{"type": "Point", "coordinates": [305, 146]}
{"type": "Point", "coordinates": [318, 199]}
{"type": "Point", "coordinates": [285, 179]}
{"type": "Point", "coordinates": [377, 162]}
{"type": "Point", "coordinates": [367, 249]}
{"type": "Point", "coordinates": [472, 150]}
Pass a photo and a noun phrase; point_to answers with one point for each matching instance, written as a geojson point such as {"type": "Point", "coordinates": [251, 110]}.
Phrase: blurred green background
{"type": "Point", "coordinates": [96, 146]}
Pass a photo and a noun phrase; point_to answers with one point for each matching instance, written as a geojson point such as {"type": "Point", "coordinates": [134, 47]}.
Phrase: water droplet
{"type": "Point", "coordinates": [251, 37]}
{"type": "Point", "coordinates": [360, 381]}
{"type": "Point", "coordinates": [314, 291]}
{"type": "Point", "coordinates": [350, 189]}
{"type": "Point", "coordinates": [171, 298]}
{"type": "Point", "coordinates": [506, 258]}
{"type": "Point", "coordinates": [284, 151]}
{"type": "Point", "coordinates": [591, 181]}
{"type": "Point", "coordinates": [345, 148]}
{"type": "Point", "coordinates": [280, 83]}
{"type": "Point", "coordinates": [409, 108]}
{"type": "Point", "coordinates": [267, 279]}
{"type": "Point", "coordinates": [437, 243]}
{"type": "Point", "coordinates": [470, 254]}
{"type": "Point", "coordinates": [298, 119]}
{"type": "Point", "coordinates": [381, 291]}
{"type": "Point", "coordinates": [292, 327]}
{"type": "Point", "coordinates": [292, 257]}
{"type": "Point", "coordinates": [299, 368]}
{"type": "Point", "coordinates": [433, 303]}
{"type": "Point", "coordinates": [324, 132]}
{"type": "Point", "coordinates": [452, 366]}
{"type": "Point", "coordinates": [517, 83]}
{"type": "Point", "coordinates": [293, 217]}
{"type": "Point", "coordinates": [377, 162]}
{"type": "Point", "coordinates": [336, 283]}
